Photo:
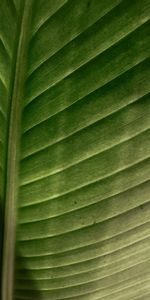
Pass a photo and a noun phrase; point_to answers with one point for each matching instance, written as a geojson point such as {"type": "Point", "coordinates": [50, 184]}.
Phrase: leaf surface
{"type": "Point", "coordinates": [74, 142]}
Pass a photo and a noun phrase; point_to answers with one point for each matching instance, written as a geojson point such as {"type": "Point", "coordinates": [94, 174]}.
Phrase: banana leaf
{"type": "Point", "coordinates": [74, 150]}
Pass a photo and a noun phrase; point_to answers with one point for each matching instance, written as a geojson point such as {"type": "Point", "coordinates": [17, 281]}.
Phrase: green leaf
{"type": "Point", "coordinates": [74, 144]}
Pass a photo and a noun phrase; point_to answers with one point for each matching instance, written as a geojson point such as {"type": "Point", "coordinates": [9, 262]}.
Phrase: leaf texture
{"type": "Point", "coordinates": [75, 140]}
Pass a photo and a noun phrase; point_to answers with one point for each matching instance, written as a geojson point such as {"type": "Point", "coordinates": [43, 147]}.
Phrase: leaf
{"type": "Point", "coordinates": [74, 142]}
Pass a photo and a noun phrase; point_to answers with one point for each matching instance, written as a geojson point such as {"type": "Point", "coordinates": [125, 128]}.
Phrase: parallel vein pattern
{"type": "Point", "coordinates": [83, 230]}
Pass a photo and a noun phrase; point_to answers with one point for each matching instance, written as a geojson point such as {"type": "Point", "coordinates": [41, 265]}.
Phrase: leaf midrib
{"type": "Point", "coordinates": [13, 138]}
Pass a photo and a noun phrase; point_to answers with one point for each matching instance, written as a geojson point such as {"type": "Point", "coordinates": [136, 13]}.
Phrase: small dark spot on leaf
{"type": "Point", "coordinates": [88, 3]}
{"type": "Point", "coordinates": [142, 206]}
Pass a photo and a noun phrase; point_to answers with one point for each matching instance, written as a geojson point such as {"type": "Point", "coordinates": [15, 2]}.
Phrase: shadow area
{"type": "Point", "coordinates": [24, 288]}
{"type": "Point", "coordinates": [1, 239]}
{"type": "Point", "coordinates": [19, 291]}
